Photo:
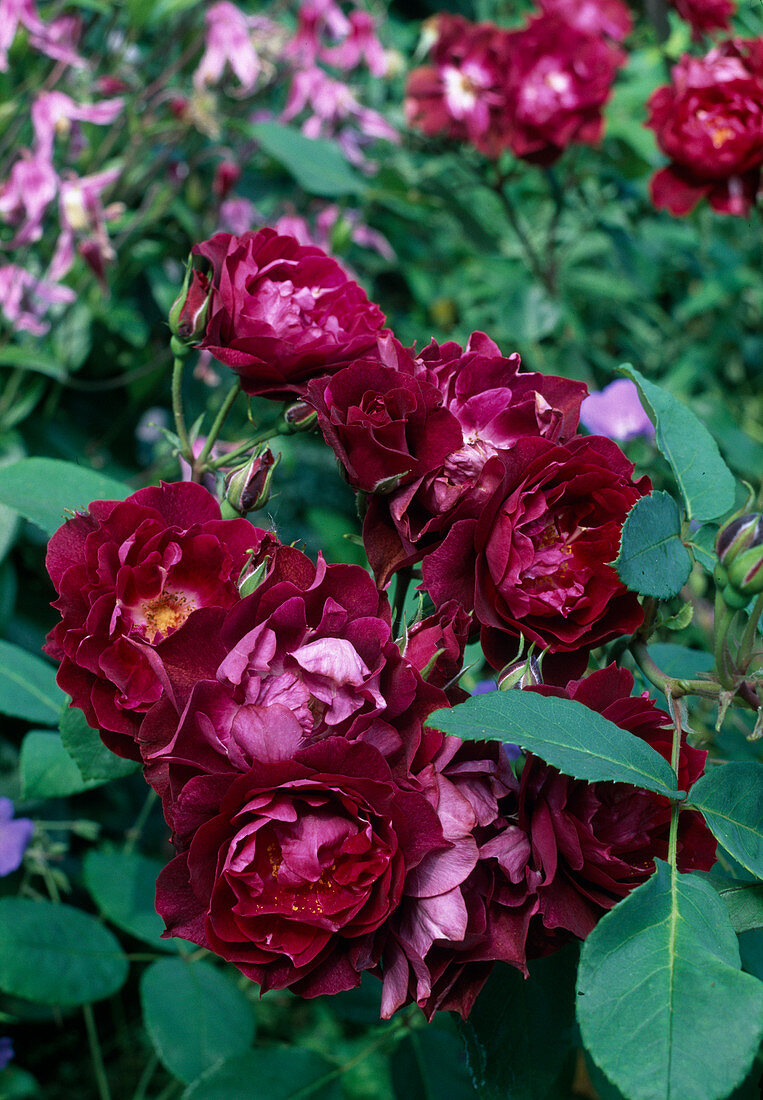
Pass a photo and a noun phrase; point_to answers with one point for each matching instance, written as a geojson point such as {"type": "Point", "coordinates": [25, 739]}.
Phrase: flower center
{"type": "Point", "coordinates": [716, 127]}
{"type": "Point", "coordinates": [164, 614]}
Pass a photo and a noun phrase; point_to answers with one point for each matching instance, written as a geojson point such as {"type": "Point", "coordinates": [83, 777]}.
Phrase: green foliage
{"type": "Point", "coordinates": [706, 483]}
{"type": "Point", "coordinates": [47, 769]}
{"type": "Point", "coordinates": [122, 885]}
{"type": "Point", "coordinates": [652, 559]}
{"type": "Point", "coordinates": [195, 1016]}
{"type": "Point", "coordinates": [317, 165]}
{"type": "Point", "coordinates": [659, 978]}
{"type": "Point", "coordinates": [744, 903]}
{"type": "Point", "coordinates": [43, 489]}
{"type": "Point", "coordinates": [521, 1032]}
{"type": "Point", "coordinates": [429, 1064]}
{"type": "Point", "coordinates": [575, 739]}
{"type": "Point", "coordinates": [28, 686]}
{"type": "Point", "coordinates": [85, 747]}
{"type": "Point", "coordinates": [282, 1073]}
{"type": "Point", "coordinates": [57, 955]}
{"type": "Point", "coordinates": [730, 798]}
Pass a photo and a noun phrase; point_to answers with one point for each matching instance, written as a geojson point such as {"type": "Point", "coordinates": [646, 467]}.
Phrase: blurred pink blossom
{"type": "Point", "coordinates": [26, 195]}
{"type": "Point", "coordinates": [315, 18]}
{"type": "Point", "coordinates": [56, 39]}
{"type": "Point", "coordinates": [294, 226]}
{"type": "Point", "coordinates": [228, 42]}
{"type": "Point", "coordinates": [83, 216]}
{"type": "Point", "coordinates": [361, 44]}
{"type": "Point", "coordinates": [616, 412]}
{"type": "Point", "coordinates": [238, 216]}
{"type": "Point", "coordinates": [24, 298]}
{"type": "Point", "coordinates": [54, 112]}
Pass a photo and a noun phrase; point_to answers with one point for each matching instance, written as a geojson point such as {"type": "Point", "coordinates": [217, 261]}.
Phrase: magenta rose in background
{"type": "Point", "coordinates": [592, 843]}
{"type": "Point", "coordinates": [608, 17]}
{"type": "Point", "coordinates": [308, 655]}
{"type": "Point", "coordinates": [705, 15]}
{"type": "Point", "coordinates": [282, 313]}
{"type": "Point", "coordinates": [709, 121]}
{"type": "Point", "coordinates": [300, 861]}
{"type": "Point", "coordinates": [534, 562]}
{"type": "Point", "coordinates": [128, 574]}
{"type": "Point", "coordinates": [384, 420]}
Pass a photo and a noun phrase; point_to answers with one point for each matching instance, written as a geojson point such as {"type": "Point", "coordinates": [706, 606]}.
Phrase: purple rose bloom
{"type": "Point", "coordinates": [14, 839]}
{"type": "Point", "coordinates": [616, 412]}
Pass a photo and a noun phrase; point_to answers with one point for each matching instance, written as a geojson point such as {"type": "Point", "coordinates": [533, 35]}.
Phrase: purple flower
{"type": "Point", "coordinates": [26, 195]}
{"type": "Point", "coordinates": [228, 42]}
{"type": "Point", "coordinates": [14, 841]}
{"type": "Point", "coordinates": [53, 113]}
{"type": "Point", "coordinates": [56, 39]}
{"type": "Point", "coordinates": [6, 1051]}
{"type": "Point", "coordinates": [24, 299]}
{"type": "Point", "coordinates": [616, 412]}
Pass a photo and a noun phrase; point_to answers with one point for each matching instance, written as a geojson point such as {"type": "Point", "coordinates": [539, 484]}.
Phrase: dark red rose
{"type": "Point", "coordinates": [384, 421]}
{"type": "Point", "coordinates": [534, 563]}
{"type": "Point", "coordinates": [705, 15]}
{"type": "Point", "coordinates": [559, 78]}
{"type": "Point", "coordinates": [298, 863]}
{"type": "Point", "coordinates": [465, 907]}
{"type": "Point", "coordinates": [609, 17]}
{"type": "Point", "coordinates": [592, 843]}
{"type": "Point", "coordinates": [308, 655]}
{"type": "Point", "coordinates": [709, 121]}
{"type": "Point", "coordinates": [128, 574]}
{"type": "Point", "coordinates": [461, 93]}
{"type": "Point", "coordinates": [282, 313]}
{"type": "Point", "coordinates": [495, 405]}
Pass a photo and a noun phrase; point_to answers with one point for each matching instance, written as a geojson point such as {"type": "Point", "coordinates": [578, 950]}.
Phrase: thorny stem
{"type": "Point", "coordinates": [214, 431]}
{"type": "Point", "coordinates": [675, 714]}
{"type": "Point", "coordinates": [231, 456]}
{"type": "Point", "coordinates": [177, 409]}
{"type": "Point", "coordinates": [95, 1053]}
{"type": "Point", "coordinates": [748, 637]}
{"type": "Point", "coordinates": [721, 630]}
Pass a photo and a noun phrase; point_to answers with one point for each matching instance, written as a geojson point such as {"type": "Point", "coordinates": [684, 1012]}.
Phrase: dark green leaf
{"type": "Point", "coordinates": [123, 886]}
{"type": "Point", "coordinates": [41, 489]}
{"type": "Point", "coordinates": [652, 558]}
{"type": "Point", "coordinates": [90, 754]}
{"type": "Point", "coordinates": [57, 955]}
{"type": "Point", "coordinates": [730, 798]}
{"type": "Point", "coordinates": [28, 687]}
{"type": "Point", "coordinates": [429, 1064]}
{"type": "Point", "coordinates": [281, 1073]}
{"type": "Point", "coordinates": [706, 483]}
{"type": "Point", "coordinates": [679, 661]}
{"type": "Point", "coordinates": [47, 769]}
{"type": "Point", "coordinates": [659, 978]}
{"type": "Point", "coordinates": [575, 739]}
{"type": "Point", "coordinates": [316, 164]}
{"type": "Point", "coordinates": [745, 905]}
{"type": "Point", "coordinates": [33, 361]}
{"type": "Point", "coordinates": [520, 1031]}
{"type": "Point", "coordinates": [195, 1015]}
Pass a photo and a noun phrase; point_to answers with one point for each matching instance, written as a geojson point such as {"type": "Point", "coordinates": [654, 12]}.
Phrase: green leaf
{"type": "Point", "coordinates": [521, 1031]}
{"type": "Point", "coordinates": [57, 955]}
{"type": "Point", "coordinates": [706, 483]}
{"type": "Point", "coordinates": [123, 886]}
{"type": "Point", "coordinates": [745, 905]}
{"type": "Point", "coordinates": [195, 1015]}
{"type": "Point", "coordinates": [317, 165]}
{"type": "Point", "coordinates": [429, 1064]}
{"type": "Point", "coordinates": [659, 983]}
{"type": "Point", "coordinates": [652, 558]}
{"type": "Point", "coordinates": [281, 1073]}
{"type": "Point", "coordinates": [730, 798]}
{"type": "Point", "coordinates": [679, 661]}
{"type": "Point", "coordinates": [28, 687]}
{"type": "Point", "coordinates": [85, 747]}
{"type": "Point", "coordinates": [47, 770]}
{"type": "Point", "coordinates": [702, 544]}
{"type": "Point", "coordinates": [575, 739]}
{"type": "Point", "coordinates": [33, 361]}
{"type": "Point", "coordinates": [40, 489]}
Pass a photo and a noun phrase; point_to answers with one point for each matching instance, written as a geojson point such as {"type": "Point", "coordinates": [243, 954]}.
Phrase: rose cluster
{"type": "Point", "coordinates": [323, 825]}
{"type": "Point", "coordinates": [533, 90]}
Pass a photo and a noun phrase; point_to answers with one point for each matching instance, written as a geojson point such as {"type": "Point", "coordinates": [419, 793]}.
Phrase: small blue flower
{"type": "Point", "coordinates": [6, 1045]}
{"type": "Point", "coordinates": [616, 412]}
{"type": "Point", "coordinates": [14, 838]}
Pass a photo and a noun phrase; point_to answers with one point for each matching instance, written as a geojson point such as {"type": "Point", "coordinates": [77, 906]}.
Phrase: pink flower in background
{"type": "Point", "coordinates": [54, 113]}
{"type": "Point", "coordinates": [316, 18]}
{"type": "Point", "coordinates": [616, 412]}
{"type": "Point", "coordinates": [238, 216]}
{"type": "Point", "coordinates": [83, 215]}
{"type": "Point", "coordinates": [609, 17]}
{"type": "Point", "coordinates": [15, 836]}
{"type": "Point", "coordinates": [56, 39]}
{"type": "Point", "coordinates": [228, 42]}
{"type": "Point", "coordinates": [24, 298]}
{"type": "Point", "coordinates": [361, 44]}
{"type": "Point", "coordinates": [292, 225]}
{"type": "Point", "coordinates": [705, 15]}
{"type": "Point", "coordinates": [26, 195]}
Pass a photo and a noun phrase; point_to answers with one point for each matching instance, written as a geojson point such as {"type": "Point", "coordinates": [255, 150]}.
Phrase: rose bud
{"type": "Point", "coordinates": [248, 487]}
{"type": "Point", "coordinates": [299, 417]}
{"type": "Point", "coordinates": [227, 175]}
{"type": "Point", "coordinates": [746, 573]}
{"type": "Point", "coordinates": [738, 535]}
{"type": "Point", "coordinates": [188, 314]}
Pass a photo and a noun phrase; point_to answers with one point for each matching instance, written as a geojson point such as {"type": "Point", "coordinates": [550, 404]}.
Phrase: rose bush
{"type": "Point", "coordinates": [281, 312]}
{"type": "Point", "coordinates": [128, 574]}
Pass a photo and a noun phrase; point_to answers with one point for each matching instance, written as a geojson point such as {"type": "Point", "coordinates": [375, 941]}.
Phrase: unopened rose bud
{"type": "Point", "coordinates": [299, 417]}
{"type": "Point", "coordinates": [739, 535]}
{"type": "Point", "coordinates": [746, 572]}
{"type": "Point", "coordinates": [227, 175]}
{"type": "Point", "coordinates": [522, 673]}
{"type": "Point", "coordinates": [188, 315]}
{"type": "Point", "coordinates": [248, 488]}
